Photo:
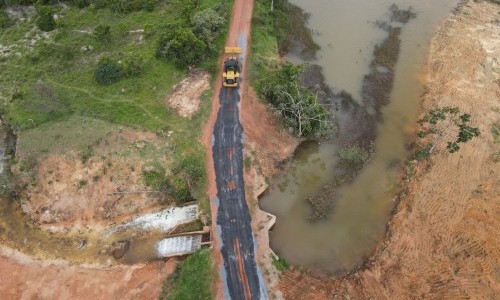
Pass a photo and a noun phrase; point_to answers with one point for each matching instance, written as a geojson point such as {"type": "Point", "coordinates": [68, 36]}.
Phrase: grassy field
{"type": "Point", "coordinates": [49, 95]}
{"type": "Point", "coordinates": [264, 45]}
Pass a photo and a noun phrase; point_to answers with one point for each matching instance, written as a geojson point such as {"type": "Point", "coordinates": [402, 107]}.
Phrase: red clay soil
{"type": "Point", "coordinates": [25, 278]}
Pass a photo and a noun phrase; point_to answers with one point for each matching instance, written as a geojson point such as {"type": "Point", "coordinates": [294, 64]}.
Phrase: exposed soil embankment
{"type": "Point", "coordinates": [31, 279]}
{"type": "Point", "coordinates": [442, 241]}
{"type": "Point", "coordinates": [101, 184]}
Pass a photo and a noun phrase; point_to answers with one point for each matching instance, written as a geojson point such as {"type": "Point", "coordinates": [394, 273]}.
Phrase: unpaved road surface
{"type": "Point", "coordinates": [442, 242]}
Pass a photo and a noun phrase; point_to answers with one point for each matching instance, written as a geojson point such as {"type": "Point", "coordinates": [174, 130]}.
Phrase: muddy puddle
{"type": "Point", "coordinates": [348, 32]}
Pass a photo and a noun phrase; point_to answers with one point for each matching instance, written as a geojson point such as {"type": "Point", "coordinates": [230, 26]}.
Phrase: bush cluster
{"type": "Point", "coordinates": [109, 71]}
{"type": "Point", "coordinates": [188, 44]}
{"type": "Point", "coordinates": [45, 19]}
{"type": "Point", "coordinates": [181, 46]}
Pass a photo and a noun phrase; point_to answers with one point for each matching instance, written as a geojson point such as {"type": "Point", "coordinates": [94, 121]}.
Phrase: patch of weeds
{"type": "Point", "coordinates": [281, 264]}
{"type": "Point", "coordinates": [195, 225]}
{"type": "Point", "coordinates": [178, 188]}
{"type": "Point", "coordinates": [495, 131]}
{"type": "Point", "coordinates": [204, 204]}
{"type": "Point", "coordinates": [81, 183]}
{"type": "Point", "coordinates": [154, 176]}
{"type": "Point", "coordinates": [423, 153]}
{"type": "Point", "coordinates": [290, 28]}
{"type": "Point", "coordinates": [496, 157]}
{"type": "Point", "coordinates": [28, 164]}
{"type": "Point", "coordinates": [247, 162]}
{"type": "Point", "coordinates": [87, 154]}
{"type": "Point", "coordinates": [401, 15]}
{"type": "Point", "coordinates": [353, 158]}
{"type": "Point", "coordinates": [191, 279]}
{"type": "Point", "coordinates": [387, 53]}
{"type": "Point", "coordinates": [95, 178]}
{"type": "Point", "coordinates": [5, 21]}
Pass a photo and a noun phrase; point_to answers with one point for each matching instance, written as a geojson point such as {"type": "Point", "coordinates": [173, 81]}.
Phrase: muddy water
{"type": "Point", "coordinates": [347, 34]}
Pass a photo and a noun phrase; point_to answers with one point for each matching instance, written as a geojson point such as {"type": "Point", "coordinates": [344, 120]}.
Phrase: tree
{"type": "Point", "coordinates": [207, 25]}
{"type": "Point", "coordinates": [439, 120]}
{"type": "Point", "coordinates": [299, 106]}
{"type": "Point", "coordinates": [182, 46]}
{"type": "Point", "coordinates": [186, 7]}
{"type": "Point", "coordinates": [302, 111]}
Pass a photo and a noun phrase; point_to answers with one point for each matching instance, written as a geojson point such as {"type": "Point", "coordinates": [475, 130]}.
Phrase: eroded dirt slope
{"type": "Point", "coordinates": [443, 239]}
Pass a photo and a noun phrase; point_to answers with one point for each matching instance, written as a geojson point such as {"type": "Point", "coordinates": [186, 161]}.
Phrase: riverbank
{"type": "Point", "coordinates": [440, 241]}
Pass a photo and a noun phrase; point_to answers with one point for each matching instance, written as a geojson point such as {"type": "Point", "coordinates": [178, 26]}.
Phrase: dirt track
{"type": "Point", "coordinates": [442, 242]}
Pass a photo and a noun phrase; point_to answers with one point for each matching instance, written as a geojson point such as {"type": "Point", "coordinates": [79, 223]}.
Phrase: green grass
{"type": "Point", "coordinates": [65, 73]}
{"type": "Point", "coordinates": [264, 45]}
{"type": "Point", "coordinates": [191, 280]}
{"type": "Point", "coordinates": [49, 95]}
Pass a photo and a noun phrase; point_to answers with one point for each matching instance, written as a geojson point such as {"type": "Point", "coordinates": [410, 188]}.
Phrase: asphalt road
{"type": "Point", "coordinates": [233, 217]}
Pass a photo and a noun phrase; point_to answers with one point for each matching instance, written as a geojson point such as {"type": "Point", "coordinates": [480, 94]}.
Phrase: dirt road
{"type": "Point", "coordinates": [442, 242]}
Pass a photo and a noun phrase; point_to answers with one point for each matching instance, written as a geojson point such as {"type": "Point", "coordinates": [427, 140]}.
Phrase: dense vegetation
{"type": "Point", "coordinates": [299, 107]}
{"type": "Point", "coordinates": [191, 279]}
{"type": "Point", "coordinates": [273, 33]}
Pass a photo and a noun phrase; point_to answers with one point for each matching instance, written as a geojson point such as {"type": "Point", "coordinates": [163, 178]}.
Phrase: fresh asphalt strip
{"type": "Point", "coordinates": [233, 216]}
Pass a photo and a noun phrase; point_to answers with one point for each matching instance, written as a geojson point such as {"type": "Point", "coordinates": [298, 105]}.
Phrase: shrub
{"type": "Point", "coordinates": [280, 264]}
{"type": "Point", "coordinates": [181, 46]}
{"type": "Point", "coordinates": [102, 33]}
{"type": "Point", "coordinates": [45, 19]}
{"type": "Point", "coordinates": [149, 5]}
{"type": "Point", "coordinates": [449, 116]}
{"type": "Point", "coordinates": [108, 71]}
{"type": "Point", "coordinates": [178, 189]}
{"type": "Point", "coordinates": [81, 3]}
{"type": "Point", "coordinates": [154, 177]}
{"type": "Point", "coordinates": [5, 20]}
{"type": "Point", "coordinates": [192, 166]}
{"type": "Point", "coordinates": [97, 4]}
{"type": "Point", "coordinates": [126, 6]}
{"type": "Point", "coordinates": [133, 66]}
